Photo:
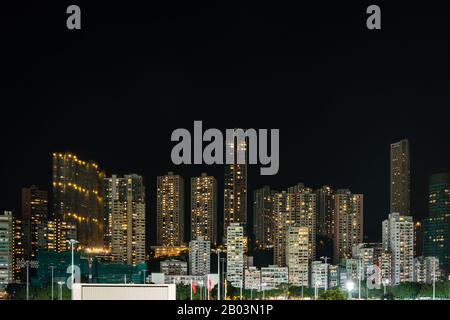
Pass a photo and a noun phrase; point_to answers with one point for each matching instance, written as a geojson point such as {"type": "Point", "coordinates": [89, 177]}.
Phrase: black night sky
{"type": "Point", "coordinates": [339, 93]}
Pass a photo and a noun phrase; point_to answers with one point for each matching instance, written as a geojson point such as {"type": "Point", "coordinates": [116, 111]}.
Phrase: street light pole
{"type": "Point", "coordinates": [72, 242]}
{"type": "Point", "coordinates": [241, 287]}
{"type": "Point", "coordinates": [359, 277]}
{"type": "Point", "coordinates": [60, 283]}
{"type": "Point", "coordinates": [434, 278]}
{"type": "Point", "coordinates": [145, 279]}
{"type": "Point", "coordinates": [27, 264]}
{"type": "Point", "coordinates": [218, 273]}
{"type": "Point", "coordinates": [28, 278]}
{"type": "Point", "coordinates": [52, 268]}
{"type": "Point", "coordinates": [263, 287]}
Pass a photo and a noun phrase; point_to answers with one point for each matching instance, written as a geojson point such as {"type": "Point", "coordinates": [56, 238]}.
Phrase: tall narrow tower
{"type": "Point", "coordinates": [125, 218]}
{"type": "Point", "coordinates": [170, 210]}
{"type": "Point", "coordinates": [400, 177]}
{"type": "Point", "coordinates": [235, 189]}
{"type": "Point", "coordinates": [204, 208]}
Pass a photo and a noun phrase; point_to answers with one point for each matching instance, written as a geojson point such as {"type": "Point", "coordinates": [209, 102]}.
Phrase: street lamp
{"type": "Point", "coordinates": [434, 278]}
{"type": "Point", "coordinates": [28, 264]}
{"type": "Point", "coordinates": [52, 267]}
{"type": "Point", "coordinates": [359, 276]}
{"type": "Point", "coordinates": [350, 286]}
{"type": "Point", "coordinates": [145, 279]}
{"type": "Point", "coordinates": [316, 289]}
{"type": "Point", "coordinates": [218, 272]}
{"type": "Point", "coordinates": [242, 283]}
{"type": "Point", "coordinates": [72, 243]}
{"type": "Point", "coordinates": [263, 288]}
{"type": "Point", "coordinates": [60, 283]}
{"type": "Point", "coordinates": [201, 288]}
{"type": "Point", "coordinates": [385, 283]}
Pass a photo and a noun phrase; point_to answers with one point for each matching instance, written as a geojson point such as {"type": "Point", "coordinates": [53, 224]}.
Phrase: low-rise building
{"type": "Point", "coordinates": [174, 267]}
{"type": "Point", "coordinates": [272, 276]}
{"type": "Point", "coordinates": [252, 278]}
{"type": "Point", "coordinates": [425, 268]}
{"type": "Point", "coordinates": [319, 274]}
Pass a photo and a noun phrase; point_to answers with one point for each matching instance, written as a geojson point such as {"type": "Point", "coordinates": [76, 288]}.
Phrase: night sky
{"type": "Point", "coordinates": [340, 94]}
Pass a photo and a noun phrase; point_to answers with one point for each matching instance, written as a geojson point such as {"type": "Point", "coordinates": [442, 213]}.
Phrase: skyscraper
{"type": "Point", "coordinates": [325, 211]}
{"type": "Point", "coordinates": [56, 233]}
{"type": "Point", "coordinates": [349, 223]}
{"type": "Point", "coordinates": [296, 207]}
{"type": "Point", "coordinates": [6, 248]}
{"type": "Point", "coordinates": [125, 218]}
{"type": "Point", "coordinates": [77, 197]}
{"type": "Point", "coordinates": [199, 257]}
{"type": "Point", "coordinates": [398, 238]}
{"type": "Point", "coordinates": [235, 189]}
{"type": "Point", "coordinates": [33, 220]}
{"type": "Point", "coordinates": [235, 254]}
{"type": "Point", "coordinates": [283, 213]}
{"type": "Point", "coordinates": [305, 214]}
{"type": "Point", "coordinates": [204, 208]}
{"type": "Point", "coordinates": [170, 210]}
{"type": "Point", "coordinates": [263, 219]}
{"type": "Point", "coordinates": [400, 177]}
{"type": "Point", "coordinates": [297, 255]}
{"type": "Point", "coordinates": [436, 227]}
{"type": "Point", "coordinates": [19, 239]}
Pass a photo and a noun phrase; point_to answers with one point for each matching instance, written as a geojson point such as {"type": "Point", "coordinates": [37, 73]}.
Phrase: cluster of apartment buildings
{"type": "Point", "coordinates": [107, 214]}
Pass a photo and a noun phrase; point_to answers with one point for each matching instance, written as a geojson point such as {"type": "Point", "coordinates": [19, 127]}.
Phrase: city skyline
{"type": "Point", "coordinates": [219, 222]}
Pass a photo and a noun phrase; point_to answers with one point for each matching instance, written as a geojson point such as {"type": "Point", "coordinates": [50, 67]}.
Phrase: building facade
{"type": "Point", "coordinates": [273, 276]}
{"type": "Point", "coordinates": [426, 269]}
{"type": "Point", "coordinates": [325, 211]}
{"type": "Point", "coordinates": [398, 239]}
{"type": "Point", "coordinates": [400, 177]}
{"type": "Point", "coordinates": [235, 254]}
{"type": "Point", "coordinates": [77, 197]}
{"type": "Point", "coordinates": [252, 277]}
{"type": "Point", "coordinates": [174, 267]}
{"type": "Point", "coordinates": [305, 214]}
{"type": "Point", "coordinates": [124, 218]}
{"type": "Point", "coordinates": [6, 248]}
{"type": "Point", "coordinates": [367, 254]}
{"type": "Point", "coordinates": [235, 188]}
{"type": "Point", "coordinates": [34, 218]}
{"type": "Point", "coordinates": [170, 210]}
{"type": "Point", "coordinates": [283, 214]}
{"type": "Point", "coordinates": [263, 219]}
{"type": "Point", "coordinates": [349, 223]}
{"type": "Point", "coordinates": [436, 228]}
{"type": "Point", "coordinates": [19, 238]}
{"type": "Point", "coordinates": [319, 275]}
{"type": "Point", "coordinates": [199, 257]}
{"type": "Point", "coordinates": [385, 264]}
{"type": "Point", "coordinates": [297, 255]}
{"type": "Point", "coordinates": [204, 208]}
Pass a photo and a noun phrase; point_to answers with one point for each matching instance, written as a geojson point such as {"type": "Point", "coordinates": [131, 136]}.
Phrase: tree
{"type": "Point", "coordinates": [334, 294]}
